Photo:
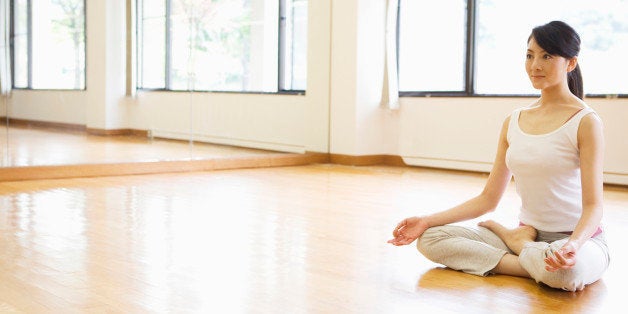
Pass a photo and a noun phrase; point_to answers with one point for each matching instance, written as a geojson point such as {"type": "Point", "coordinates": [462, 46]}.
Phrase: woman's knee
{"type": "Point", "coordinates": [573, 279]}
{"type": "Point", "coordinates": [532, 260]}
{"type": "Point", "coordinates": [427, 243]}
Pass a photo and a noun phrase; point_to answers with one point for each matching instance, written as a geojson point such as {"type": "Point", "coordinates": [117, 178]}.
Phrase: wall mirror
{"type": "Point", "coordinates": [71, 110]}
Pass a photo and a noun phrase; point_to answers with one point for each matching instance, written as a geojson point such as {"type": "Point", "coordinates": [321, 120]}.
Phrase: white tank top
{"type": "Point", "coordinates": [546, 170]}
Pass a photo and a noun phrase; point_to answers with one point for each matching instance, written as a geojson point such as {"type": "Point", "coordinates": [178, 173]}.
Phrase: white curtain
{"type": "Point", "coordinates": [390, 88]}
{"type": "Point", "coordinates": [5, 48]}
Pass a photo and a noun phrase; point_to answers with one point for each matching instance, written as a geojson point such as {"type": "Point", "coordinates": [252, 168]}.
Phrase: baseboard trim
{"type": "Point", "coordinates": [440, 163]}
{"type": "Point", "coordinates": [60, 126]}
{"type": "Point", "coordinates": [366, 160]}
{"type": "Point", "coordinates": [117, 132]}
{"type": "Point", "coordinates": [616, 179]}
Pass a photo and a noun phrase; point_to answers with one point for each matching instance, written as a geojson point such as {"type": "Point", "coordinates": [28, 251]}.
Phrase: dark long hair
{"type": "Point", "coordinates": [558, 38]}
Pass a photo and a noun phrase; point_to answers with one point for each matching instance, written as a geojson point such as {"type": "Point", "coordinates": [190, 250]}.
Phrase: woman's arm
{"type": "Point", "coordinates": [411, 228]}
{"type": "Point", "coordinates": [591, 146]}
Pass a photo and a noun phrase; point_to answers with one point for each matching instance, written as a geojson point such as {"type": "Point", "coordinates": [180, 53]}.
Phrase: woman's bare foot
{"type": "Point", "coordinates": [514, 238]}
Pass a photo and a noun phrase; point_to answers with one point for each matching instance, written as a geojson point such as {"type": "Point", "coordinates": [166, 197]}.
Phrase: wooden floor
{"type": "Point", "coordinates": [305, 239]}
{"type": "Point", "coordinates": [41, 146]}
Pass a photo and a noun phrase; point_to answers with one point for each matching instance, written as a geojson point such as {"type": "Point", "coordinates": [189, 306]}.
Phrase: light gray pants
{"type": "Point", "coordinates": [478, 250]}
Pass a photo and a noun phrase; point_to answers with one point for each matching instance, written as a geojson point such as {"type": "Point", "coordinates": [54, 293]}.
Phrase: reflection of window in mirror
{"type": "Point", "coordinates": [49, 44]}
{"type": "Point", "coordinates": [489, 60]}
{"type": "Point", "coordinates": [293, 36]}
{"type": "Point", "coordinates": [222, 45]}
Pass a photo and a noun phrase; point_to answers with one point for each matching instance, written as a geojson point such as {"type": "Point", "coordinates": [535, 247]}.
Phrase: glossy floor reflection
{"type": "Point", "coordinates": [22, 146]}
{"type": "Point", "coordinates": [308, 239]}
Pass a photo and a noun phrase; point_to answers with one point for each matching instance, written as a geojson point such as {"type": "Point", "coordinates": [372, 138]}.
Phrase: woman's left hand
{"type": "Point", "coordinates": [564, 258]}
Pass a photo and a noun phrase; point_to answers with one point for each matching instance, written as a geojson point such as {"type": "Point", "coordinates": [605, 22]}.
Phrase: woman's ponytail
{"type": "Point", "coordinates": [574, 80]}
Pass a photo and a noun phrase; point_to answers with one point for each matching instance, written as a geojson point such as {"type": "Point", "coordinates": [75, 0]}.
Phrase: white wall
{"type": "Point", "coordinates": [359, 125]}
{"type": "Point", "coordinates": [459, 133]}
{"type": "Point", "coordinates": [106, 67]}
{"type": "Point", "coordinates": [339, 114]}
{"type": "Point", "coordinates": [343, 85]}
{"type": "Point", "coordinates": [50, 106]}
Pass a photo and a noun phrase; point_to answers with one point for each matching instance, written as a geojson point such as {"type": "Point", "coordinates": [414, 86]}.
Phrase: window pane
{"type": "Point", "coordinates": [504, 27]}
{"type": "Point", "coordinates": [151, 44]}
{"type": "Point", "coordinates": [219, 45]}
{"type": "Point", "coordinates": [294, 52]}
{"type": "Point", "coordinates": [58, 51]}
{"type": "Point", "coordinates": [20, 44]}
{"type": "Point", "coordinates": [432, 41]}
{"type": "Point", "coordinates": [226, 45]}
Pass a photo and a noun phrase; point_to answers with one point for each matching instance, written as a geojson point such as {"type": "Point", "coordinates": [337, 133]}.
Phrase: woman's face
{"type": "Point", "coordinates": [545, 70]}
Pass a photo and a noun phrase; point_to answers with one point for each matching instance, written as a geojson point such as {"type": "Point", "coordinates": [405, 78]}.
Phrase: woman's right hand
{"type": "Point", "coordinates": [408, 230]}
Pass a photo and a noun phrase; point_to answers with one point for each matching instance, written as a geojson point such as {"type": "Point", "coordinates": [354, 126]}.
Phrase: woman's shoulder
{"type": "Point", "coordinates": [578, 104]}
{"type": "Point", "coordinates": [581, 107]}
{"type": "Point", "coordinates": [590, 119]}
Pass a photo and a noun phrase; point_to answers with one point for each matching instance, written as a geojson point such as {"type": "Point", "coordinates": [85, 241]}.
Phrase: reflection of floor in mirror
{"type": "Point", "coordinates": [42, 147]}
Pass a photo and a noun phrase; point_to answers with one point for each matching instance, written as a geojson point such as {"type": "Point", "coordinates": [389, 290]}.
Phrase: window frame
{"type": "Point", "coordinates": [29, 21]}
{"type": "Point", "coordinates": [470, 62]}
{"type": "Point", "coordinates": [282, 32]}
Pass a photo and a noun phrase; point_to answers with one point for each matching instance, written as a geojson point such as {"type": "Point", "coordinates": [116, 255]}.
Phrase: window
{"type": "Point", "coordinates": [222, 45]}
{"type": "Point", "coordinates": [293, 45]}
{"type": "Point", "coordinates": [494, 44]}
{"type": "Point", "coordinates": [432, 45]}
{"type": "Point", "coordinates": [48, 44]}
